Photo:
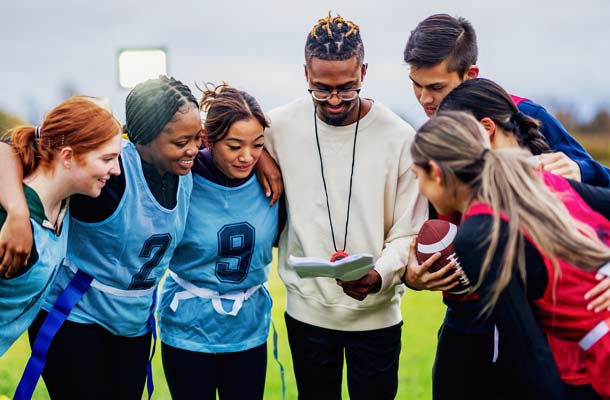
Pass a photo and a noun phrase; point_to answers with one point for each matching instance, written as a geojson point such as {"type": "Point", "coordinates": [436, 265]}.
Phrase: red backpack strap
{"type": "Point", "coordinates": [517, 99]}
{"type": "Point", "coordinates": [478, 209]}
{"type": "Point", "coordinates": [577, 207]}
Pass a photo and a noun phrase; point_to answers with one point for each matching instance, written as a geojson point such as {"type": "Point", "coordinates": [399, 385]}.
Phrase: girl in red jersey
{"type": "Point", "coordinates": [522, 244]}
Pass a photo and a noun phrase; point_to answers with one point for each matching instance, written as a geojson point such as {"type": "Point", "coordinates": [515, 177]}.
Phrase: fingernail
{"type": "Point", "coordinates": [599, 277]}
{"type": "Point", "coordinates": [268, 194]}
{"type": "Point", "coordinates": [587, 296]}
{"type": "Point", "coordinates": [589, 307]}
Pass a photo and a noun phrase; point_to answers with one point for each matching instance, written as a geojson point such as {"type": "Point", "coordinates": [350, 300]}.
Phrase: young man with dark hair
{"type": "Point", "coordinates": [442, 53]}
{"type": "Point", "coordinates": [343, 196]}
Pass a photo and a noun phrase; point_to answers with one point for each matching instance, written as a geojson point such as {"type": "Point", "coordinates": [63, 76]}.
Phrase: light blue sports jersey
{"type": "Point", "coordinates": [129, 251]}
{"type": "Point", "coordinates": [226, 248]}
{"type": "Point", "coordinates": [21, 298]}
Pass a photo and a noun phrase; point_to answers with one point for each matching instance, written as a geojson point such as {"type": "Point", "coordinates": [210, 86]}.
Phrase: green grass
{"type": "Point", "coordinates": [422, 312]}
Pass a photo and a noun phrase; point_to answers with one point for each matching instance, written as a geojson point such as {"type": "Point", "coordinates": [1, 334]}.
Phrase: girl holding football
{"type": "Point", "coordinates": [521, 244]}
{"type": "Point", "coordinates": [506, 128]}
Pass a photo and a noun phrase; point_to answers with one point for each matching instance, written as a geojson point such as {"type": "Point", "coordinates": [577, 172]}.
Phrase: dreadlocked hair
{"type": "Point", "coordinates": [224, 105]}
{"type": "Point", "coordinates": [152, 104]}
{"type": "Point", "coordinates": [334, 38]}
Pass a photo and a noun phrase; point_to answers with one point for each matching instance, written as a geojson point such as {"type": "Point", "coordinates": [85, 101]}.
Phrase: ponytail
{"type": "Point", "coordinates": [224, 105]}
{"type": "Point", "coordinates": [527, 132]}
{"type": "Point", "coordinates": [486, 99]}
{"type": "Point", "coordinates": [24, 142]}
{"type": "Point", "coordinates": [78, 123]}
{"type": "Point", "coordinates": [505, 180]}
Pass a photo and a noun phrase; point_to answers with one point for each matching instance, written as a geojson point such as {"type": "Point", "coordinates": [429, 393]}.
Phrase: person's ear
{"type": "Point", "coordinates": [306, 72]}
{"type": "Point", "coordinates": [472, 72]}
{"type": "Point", "coordinates": [66, 155]}
{"type": "Point", "coordinates": [363, 70]}
{"type": "Point", "coordinates": [435, 173]}
{"type": "Point", "coordinates": [490, 126]}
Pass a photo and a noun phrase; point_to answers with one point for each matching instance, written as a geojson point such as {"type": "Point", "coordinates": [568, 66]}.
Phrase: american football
{"type": "Point", "coordinates": [437, 236]}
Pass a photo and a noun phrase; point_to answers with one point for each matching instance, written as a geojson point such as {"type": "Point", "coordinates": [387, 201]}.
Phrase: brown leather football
{"type": "Point", "coordinates": [437, 236]}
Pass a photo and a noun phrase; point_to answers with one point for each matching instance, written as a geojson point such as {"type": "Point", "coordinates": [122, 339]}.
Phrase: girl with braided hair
{"type": "Point", "coordinates": [461, 332]}
{"type": "Point", "coordinates": [74, 151]}
{"type": "Point", "coordinates": [214, 312]}
{"type": "Point", "coordinates": [119, 246]}
{"type": "Point", "coordinates": [493, 107]}
{"type": "Point", "coordinates": [519, 253]}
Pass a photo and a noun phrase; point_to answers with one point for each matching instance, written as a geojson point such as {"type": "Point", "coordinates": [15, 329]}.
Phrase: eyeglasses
{"type": "Point", "coordinates": [325, 95]}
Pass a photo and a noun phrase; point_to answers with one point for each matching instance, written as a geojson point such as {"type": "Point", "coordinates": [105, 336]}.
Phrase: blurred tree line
{"type": "Point", "coordinates": [599, 124]}
{"type": "Point", "coordinates": [7, 121]}
{"type": "Point", "coordinates": [593, 134]}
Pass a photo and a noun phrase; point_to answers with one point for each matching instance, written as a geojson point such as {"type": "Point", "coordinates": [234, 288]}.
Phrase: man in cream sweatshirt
{"type": "Point", "coordinates": [349, 188]}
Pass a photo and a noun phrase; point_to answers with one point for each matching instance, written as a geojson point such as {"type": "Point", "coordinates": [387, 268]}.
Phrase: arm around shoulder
{"type": "Point", "coordinates": [16, 233]}
{"type": "Point", "coordinates": [560, 140]}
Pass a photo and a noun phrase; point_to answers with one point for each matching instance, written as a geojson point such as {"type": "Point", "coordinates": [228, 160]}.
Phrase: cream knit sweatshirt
{"type": "Point", "coordinates": [387, 209]}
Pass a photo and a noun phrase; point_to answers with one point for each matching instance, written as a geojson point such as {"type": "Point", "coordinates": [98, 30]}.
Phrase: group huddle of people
{"type": "Point", "coordinates": [104, 237]}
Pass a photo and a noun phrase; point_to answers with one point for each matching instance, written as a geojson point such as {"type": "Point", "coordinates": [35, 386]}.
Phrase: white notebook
{"type": "Point", "coordinates": [349, 268]}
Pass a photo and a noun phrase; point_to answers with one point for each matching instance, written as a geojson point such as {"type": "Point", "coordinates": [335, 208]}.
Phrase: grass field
{"type": "Point", "coordinates": [422, 312]}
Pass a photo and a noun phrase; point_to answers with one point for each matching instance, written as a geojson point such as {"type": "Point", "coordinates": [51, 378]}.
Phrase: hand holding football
{"type": "Point", "coordinates": [437, 236]}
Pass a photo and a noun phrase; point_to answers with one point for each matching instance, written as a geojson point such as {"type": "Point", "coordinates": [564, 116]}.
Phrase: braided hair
{"type": "Point", "coordinates": [486, 99]}
{"type": "Point", "coordinates": [334, 38]}
{"type": "Point", "coordinates": [152, 104]}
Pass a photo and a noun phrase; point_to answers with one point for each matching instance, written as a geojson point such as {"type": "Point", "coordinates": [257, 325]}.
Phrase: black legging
{"type": "Point", "coordinates": [85, 361]}
{"type": "Point", "coordinates": [463, 369]}
{"type": "Point", "coordinates": [194, 375]}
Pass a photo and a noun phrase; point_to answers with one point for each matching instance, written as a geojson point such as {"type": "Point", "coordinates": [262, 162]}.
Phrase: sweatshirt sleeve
{"type": "Point", "coordinates": [270, 139]}
{"type": "Point", "coordinates": [559, 139]}
{"type": "Point", "coordinates": [409, 211]}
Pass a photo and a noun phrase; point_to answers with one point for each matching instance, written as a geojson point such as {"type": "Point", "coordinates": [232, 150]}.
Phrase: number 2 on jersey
{"type": "Point", "coordinates": [235, 245]}
{"type": "Point", "coordinates": [159, 242]}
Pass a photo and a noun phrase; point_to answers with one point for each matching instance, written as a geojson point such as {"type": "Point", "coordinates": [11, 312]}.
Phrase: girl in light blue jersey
{"type": "Point", "coordinates": [74, 151]}
{"type": "Point", "coordinates": [119, 246]}
{"type": "Point", "coordinates": [214, 310]}
{"type": "Point", "coordinates": [124, 241]}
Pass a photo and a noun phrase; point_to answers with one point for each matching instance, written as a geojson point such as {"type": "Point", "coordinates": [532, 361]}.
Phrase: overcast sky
{"type": "Point", "coordinates": [553, 51]}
